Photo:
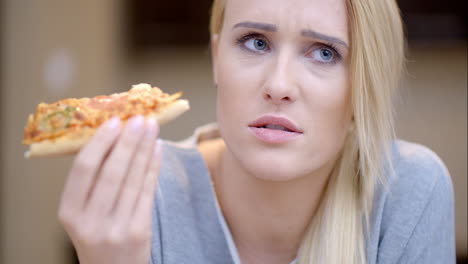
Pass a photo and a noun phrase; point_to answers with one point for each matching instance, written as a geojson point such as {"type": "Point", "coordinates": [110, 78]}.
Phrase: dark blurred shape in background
{"type": "Point", "coordinates": [51, 49]}
{"type": "Point", "coordinates": [434, 20]}
{"type": "Point", "coordinates": [162, 23]}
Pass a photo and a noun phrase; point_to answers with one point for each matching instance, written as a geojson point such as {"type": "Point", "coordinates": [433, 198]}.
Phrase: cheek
{"type": "Point", "coordinates": [230, 98]}
{"type": "Point", "coordinates": [229, 95]}
{"type": "Point", "coordinates": [334, 107]}
{"type": "Point", "coordinates": [237, 89]}
{"type": "Point", "coordinates": [328, 98]}
{"type": "Point", "coordinates": [329, 108]}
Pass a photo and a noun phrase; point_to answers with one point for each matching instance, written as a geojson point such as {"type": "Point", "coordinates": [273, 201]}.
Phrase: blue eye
{"type": "Point", "coordinates": [323, 55]}
{"type": "Point", "coordinates": [256, 44]}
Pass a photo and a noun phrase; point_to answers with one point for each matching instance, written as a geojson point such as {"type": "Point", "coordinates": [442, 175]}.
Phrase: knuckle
{"type": "Point", "coordinates": [69, 220]}
{"type": "Point", "coordinates": [87, 236]}
{"type": "Point", "coordinates": [81, 235]}
{"type": "Point", "coordinates": [114, 238]}
{"type": "Point", "coordinates": [138, 234]}
{"type": "Point", "coordinates": [65, 217]}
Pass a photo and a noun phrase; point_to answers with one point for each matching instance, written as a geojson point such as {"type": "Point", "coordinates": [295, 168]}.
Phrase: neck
{"type": "Point", "coordinates": [267, 219]}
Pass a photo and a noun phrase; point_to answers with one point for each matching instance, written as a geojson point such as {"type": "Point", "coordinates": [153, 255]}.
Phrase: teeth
{"type": "Point", "coordinates": [278, 127]}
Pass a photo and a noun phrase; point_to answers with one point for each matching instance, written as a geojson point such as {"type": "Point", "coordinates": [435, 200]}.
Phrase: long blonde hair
{"type": "Point", "coordinates": [337, 232]}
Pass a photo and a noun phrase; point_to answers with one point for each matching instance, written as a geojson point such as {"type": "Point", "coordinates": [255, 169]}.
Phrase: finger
{"type": "Point", "coordinates": [144, 206]}
{"type": "Point", "coordinates": [136, 175]}
{"type": "Point", "coordinates": [87, 163]}
{"type": "Point", "coordinates": [112, 175]}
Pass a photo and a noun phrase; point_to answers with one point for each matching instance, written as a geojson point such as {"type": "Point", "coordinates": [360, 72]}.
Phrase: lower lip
{"type": "Point", "coordinates": [274, 136]}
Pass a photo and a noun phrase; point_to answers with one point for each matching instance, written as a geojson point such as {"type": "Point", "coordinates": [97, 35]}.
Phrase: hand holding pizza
{"type": "Point", "coordinates": [107, 202]}
{"type": "Point", "coordinates": [108, 198]}
{"type": "Point", "coordinates": [65, 126]}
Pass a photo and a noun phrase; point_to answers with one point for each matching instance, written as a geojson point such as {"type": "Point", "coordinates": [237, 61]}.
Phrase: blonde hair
{"type": "Point", "coordinates": [337, 232]}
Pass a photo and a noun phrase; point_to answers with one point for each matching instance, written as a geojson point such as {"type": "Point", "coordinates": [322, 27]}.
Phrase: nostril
{"type": "Point", "coordinates": [277, 99]}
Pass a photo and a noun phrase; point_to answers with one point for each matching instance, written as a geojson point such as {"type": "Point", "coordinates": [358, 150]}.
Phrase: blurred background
{"type": "Point", "coordinates": [51, 49]}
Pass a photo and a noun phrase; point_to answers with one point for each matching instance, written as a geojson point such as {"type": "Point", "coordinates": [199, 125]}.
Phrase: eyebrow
{"type": "Point", "coordinates": [306, 32]}
{"type": "Point", "coordinates": [316, 35]}
{"type": "Point", "coordinates": [261, 26]}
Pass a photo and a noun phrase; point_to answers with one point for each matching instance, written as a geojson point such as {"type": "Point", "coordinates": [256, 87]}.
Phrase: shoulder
{"type": "Point", "coordinates": [180, 162]}
{"type": "Point", "coordinates": [413, 156]}
{"type": "Point", "coordinates": [415, 207]}
{"type": "Point", "coordinates": [190, 158]}
{"type": "Point", "coordinates": [417, 169]}
{"type": "Point", "coordinates": [420, 177]}
{"type": "Point", "coordinates": [185, 222]}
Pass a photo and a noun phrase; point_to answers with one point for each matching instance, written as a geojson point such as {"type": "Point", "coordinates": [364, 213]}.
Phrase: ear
{"type": "Point", "coordinates": [214, 56]}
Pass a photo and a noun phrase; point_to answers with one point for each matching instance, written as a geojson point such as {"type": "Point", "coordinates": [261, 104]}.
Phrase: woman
{"type": "Point", "coordinates": [301, 168]}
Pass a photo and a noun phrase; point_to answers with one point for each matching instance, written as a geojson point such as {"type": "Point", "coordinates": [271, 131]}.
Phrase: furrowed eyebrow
{"type": "Point", "coordinates": [306, 32]}
{"type": "Point", "coordinates": [316, 35]}
{"type": "Point", "coordinates": [261, 26]}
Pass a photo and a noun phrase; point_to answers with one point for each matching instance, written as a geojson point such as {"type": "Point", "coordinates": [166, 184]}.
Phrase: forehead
{"type": "Point", "coordinates": [325, 16]}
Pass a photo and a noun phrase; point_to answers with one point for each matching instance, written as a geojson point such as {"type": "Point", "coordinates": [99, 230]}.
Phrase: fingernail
{"type": "Point", "coordinates": [151, 126]}
{"type": "Point", "coordinates": [136, 122]}
{"type": "Point", "coordinates": [113, 123]}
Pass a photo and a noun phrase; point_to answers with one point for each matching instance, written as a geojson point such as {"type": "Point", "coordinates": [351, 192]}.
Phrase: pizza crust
{"type": "Point", "coordinates": [172, 111]}
{"type": "Point", "coordinates": [60, 146]}
{"type": "Point", "coordinates": [71, 144]}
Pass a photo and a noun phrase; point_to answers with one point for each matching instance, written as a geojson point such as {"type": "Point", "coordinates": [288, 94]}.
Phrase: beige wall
{"type": "Point", "coordinates": [86, 36]}
{"type": "Point", "coordinates": [434, 113]}
{"type": "Point", "coordinates": [43, 42]}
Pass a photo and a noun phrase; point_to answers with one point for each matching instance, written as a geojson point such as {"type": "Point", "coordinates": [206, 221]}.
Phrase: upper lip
{"type": "Point", "coordinates": [275, 120]}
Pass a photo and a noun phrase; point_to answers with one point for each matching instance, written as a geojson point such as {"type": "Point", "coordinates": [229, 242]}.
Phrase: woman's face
{"type": "Point", "coordinates": [283, 90]}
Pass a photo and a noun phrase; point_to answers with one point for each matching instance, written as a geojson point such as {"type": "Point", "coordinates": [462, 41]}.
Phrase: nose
{"type": "Point", "coordinates": [280, 87]}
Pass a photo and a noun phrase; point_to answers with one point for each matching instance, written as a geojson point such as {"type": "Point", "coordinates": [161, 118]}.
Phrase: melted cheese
{"type": "Point", "coordinates": [57, 119]}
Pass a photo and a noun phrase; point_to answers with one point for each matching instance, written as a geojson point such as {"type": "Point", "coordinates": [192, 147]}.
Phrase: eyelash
{"type": "Point", "coordinates": [253, 35]}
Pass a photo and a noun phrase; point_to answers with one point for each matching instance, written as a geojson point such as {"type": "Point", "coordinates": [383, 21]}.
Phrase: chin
{"type": "Point", "coordinates": [270, 168]}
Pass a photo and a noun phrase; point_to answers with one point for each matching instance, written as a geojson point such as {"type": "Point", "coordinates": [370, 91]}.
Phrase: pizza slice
{"type": "Point", "coordinates": [65, 126]}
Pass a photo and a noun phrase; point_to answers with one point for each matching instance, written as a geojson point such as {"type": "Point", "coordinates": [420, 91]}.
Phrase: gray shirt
{"type": "Point", "coordinates": [411, 222]}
